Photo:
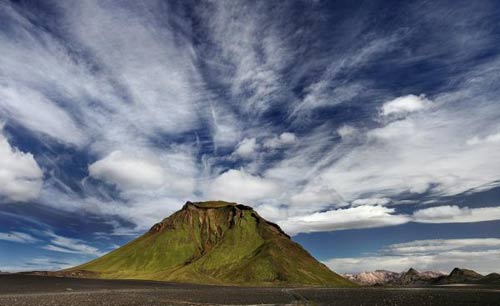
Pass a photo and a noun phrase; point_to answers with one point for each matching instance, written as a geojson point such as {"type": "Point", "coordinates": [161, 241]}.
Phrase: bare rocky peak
{"type": "Point", "coordinates": [384, 277]}
{"type": "Point", "coordinates": [378, 277]}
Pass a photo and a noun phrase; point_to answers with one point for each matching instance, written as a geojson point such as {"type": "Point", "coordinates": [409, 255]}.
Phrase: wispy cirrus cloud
{"type": "Point", "coordinates": [48, 240]}
{"type": "Point", "coordinates": [166, 103]}
{"type": "Point", "coordinates": [58, 243]}
{"type": "Point", "coordinates": [41, 264]}
{"type": "Point", "coordinates": [18, 237]}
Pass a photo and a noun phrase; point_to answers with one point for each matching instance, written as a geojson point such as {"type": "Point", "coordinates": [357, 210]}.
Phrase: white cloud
{"type": "Point", "coordinates": [424, 152]}
{"type": "Point", "coordinates": [128, 171]}
{"type": "Point", "coordinates": [482, 255]}
{"type": "Point", "coordinates": [148, 179]}
{"type": "Point", "coordinates": [140, 207]}
{"type": "Point", "coordinates": [18, 237]}
{"type": "Point", "coordinates": [481, 261]}
{"type": "Point", "coordinates": [136, 85]}
{"type": "Point", "coordinates": [439, 245]}
{"type": "Point", "coordinates": [70, 245]}
{"type": "Point", "coordinates": [331, 89]}
{"type": "Point", "coordinates": [368, 213]}
{"type": "Point", "coordinates": [371, 201]}
{"type": "Point", "coordinates": [316, 195]}
{"type": "Point", "coordinates": [41, 264]}
{"type": "Point", "coordinates": [137, 51]}
{"type": "Point", "coordinates": [246, 148]}
{"type": "Point", "coordinates": [280, 141]}
{"type": "Point", "coordinates": [56, 243]}
{"type": "Point", "coordinates": [455, 214]}
{"type": "Point", "coordinates": [240, 186]}
{"type": "Point", "coordinates": [139, 83]}
{"type": "Point", "coordinates": [38, 113]}
{"type": "Point", "coordinates": [366, 216]}
{"type": "Point", "coordinates": [405, 104]}
{"type": "Point", "coordinates": [445, 147]}
{"type": "Point", "coordinates": [255, 77]}
{"type": "Point", "coordinates": [324, 93]}
{"type": "Point", "coordinates": [346, 131]}
{"type": "Point", "coordinates": [144, 84]}
{"type": "Point", "coordinates": [20, 175]}
{"type": "Point", "coordinates": [493, 138]}
{"type": "Point", "coordinates": [226, 130]}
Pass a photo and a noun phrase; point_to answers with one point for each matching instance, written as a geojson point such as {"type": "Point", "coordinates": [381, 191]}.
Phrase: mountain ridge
{"type": "Point", "coordinates": [412, 277]}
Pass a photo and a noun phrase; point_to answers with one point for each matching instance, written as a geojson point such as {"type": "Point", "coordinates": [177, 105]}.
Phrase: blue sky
{"type": "Point", "coordinates": [368, 130]}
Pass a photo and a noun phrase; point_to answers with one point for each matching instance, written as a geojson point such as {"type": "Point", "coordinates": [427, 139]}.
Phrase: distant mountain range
{"type": "Point", "coordinates": [213, 243]}
{"type": "Point", "coordinates": [377, 277]}
{"type": "Point", "coordinates": [413, 277]}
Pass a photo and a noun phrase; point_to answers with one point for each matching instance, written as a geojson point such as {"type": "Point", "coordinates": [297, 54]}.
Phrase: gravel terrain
{"type": "Point", "coordinates": [29, 290]}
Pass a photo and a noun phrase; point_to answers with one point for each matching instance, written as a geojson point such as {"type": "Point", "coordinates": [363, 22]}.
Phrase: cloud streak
{"type": "Point", "coordinates": [18, 237]}
{"type": "Point", "coordinates": [371, 214]}
{"type": "Point", "coordinates": [64, 244]}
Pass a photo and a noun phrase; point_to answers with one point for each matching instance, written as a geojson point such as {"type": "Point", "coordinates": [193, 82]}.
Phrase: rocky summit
{"type": "Point", "coordinates": [214, 243]}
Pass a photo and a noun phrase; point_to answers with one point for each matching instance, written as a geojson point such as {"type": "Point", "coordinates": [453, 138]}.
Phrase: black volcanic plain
{"type": "Point", "coordinates": [27, 290]}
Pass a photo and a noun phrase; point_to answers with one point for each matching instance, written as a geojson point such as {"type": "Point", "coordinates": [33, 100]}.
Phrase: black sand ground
{"type": "Point", "coordinates": [41, 290]}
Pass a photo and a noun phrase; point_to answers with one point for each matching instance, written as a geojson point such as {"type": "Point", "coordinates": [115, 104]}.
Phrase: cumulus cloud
{"type": "Point", "coordinates": [170, 171]}
{"type": "Point", "coordinates": [246, 148]}
{"type": "Point", "coordinates": [346, 131]}
{"type": "Point", "coordinates": [405, 104]}
{"type": "Point", "coordinates": [20, 176]}
{"type": "Point", "coordinates": [238, 185]}
{"type": "Point", "coordinates": [455, 214]}
{"type": "Point", "coordinates": [127, 171]}
{"type": "Point", "coordinates": [480, 254]}
{"type": "Point", "coordinates": [366, 216]}
{"type": "Point", "coordinates": [493, 138]}
{"type": "Point", "coordinates": [280, 141]}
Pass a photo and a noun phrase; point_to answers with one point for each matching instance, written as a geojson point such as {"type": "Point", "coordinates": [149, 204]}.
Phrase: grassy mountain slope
{"type": "Point", "coordinates": [215, 243]}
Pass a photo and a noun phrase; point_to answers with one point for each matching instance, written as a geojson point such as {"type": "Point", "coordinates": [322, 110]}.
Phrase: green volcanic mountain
{"type": "Point", "coordinates": [214, 243]}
